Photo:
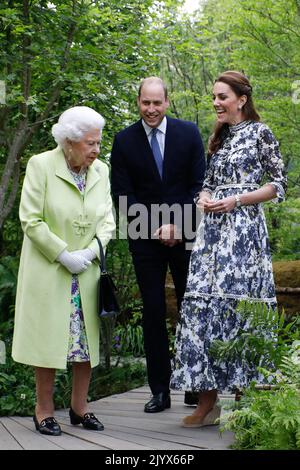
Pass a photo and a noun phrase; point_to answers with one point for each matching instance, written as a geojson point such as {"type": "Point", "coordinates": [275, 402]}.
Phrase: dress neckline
{"type": "Point", "coordinates": [237, 127]}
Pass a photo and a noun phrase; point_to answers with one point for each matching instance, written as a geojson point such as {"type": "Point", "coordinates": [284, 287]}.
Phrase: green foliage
{"type": "Point", "coordinates": [268, 335]}
{"type": "Point", "coordinates": [119, 263]}
{"type": "Point", "coordinates": [284, 236]}
{"type": "Point", "coordinates": [128, 339]}
{"type": "Point", "coordinates": [117, 380]}
{"type": "Point", "coordinates": [17, 390]}
{"type": "Point", "coordinates": [8, 283]}
{"type": "Point", "coordinates": [58, 54]}
{"type": "Point", "coordinates": [270, 419]}
{"type": "Point", "coordinates": [17, 384]}
{"type": "Point", "coordinates": [128, 336]}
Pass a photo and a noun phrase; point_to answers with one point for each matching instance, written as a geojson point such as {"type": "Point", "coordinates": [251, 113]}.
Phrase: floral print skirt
{"type": "Point", "coordinates": [202, 322]}
{"type": "Point", "coordinates": [78, 346]}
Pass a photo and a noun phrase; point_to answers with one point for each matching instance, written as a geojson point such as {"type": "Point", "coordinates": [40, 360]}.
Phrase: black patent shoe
{"type": "Point", "coordinates": [158, 403]}
{"type": "Point", "coordinates": [89, 421]}
{"type": "Point", "coordinates": [47, 426]}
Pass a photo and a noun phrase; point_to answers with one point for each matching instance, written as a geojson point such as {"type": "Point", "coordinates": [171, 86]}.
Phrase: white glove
{"type": "Point", "coordinates": [74, 263]}
{"type": "Point", "coordinates": [87, 253]}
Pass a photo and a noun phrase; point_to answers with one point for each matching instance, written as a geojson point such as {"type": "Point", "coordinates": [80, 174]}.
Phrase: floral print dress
{"type": "Point", "coordinates": [78, 347]}
{"type": "Point", "coordinates": [230, 261]}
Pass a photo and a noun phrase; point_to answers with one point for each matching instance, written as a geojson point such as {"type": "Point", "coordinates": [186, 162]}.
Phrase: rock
{"type": "Point", "coordinates": [287, 274]}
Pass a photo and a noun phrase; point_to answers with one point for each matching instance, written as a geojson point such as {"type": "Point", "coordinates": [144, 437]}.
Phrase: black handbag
{"type": "Point", "coordinates": [107, 302]}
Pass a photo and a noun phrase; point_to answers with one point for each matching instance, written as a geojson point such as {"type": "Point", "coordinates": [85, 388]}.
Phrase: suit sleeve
{"type": "Point", "coordinates": [31, 212]}
{"type": "Point", "coordinates": [120, 180]}
{"type": "Point", "coordinates": [123, 189]}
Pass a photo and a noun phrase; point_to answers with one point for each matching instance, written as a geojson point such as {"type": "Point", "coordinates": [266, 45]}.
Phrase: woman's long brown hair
{"type": "Point", "coordinates": [240, 86]}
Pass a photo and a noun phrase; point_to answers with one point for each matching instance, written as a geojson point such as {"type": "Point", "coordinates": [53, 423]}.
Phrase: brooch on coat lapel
{"type": "Point", "coordinates": [81, 225]}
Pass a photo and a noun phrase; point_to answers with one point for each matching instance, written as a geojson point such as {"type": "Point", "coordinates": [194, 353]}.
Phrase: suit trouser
{"type": "Point", "coordinates": [151, 268]}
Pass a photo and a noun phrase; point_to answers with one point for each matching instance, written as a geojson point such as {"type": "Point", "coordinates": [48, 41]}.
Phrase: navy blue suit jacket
{"type": "Point", "coordinates": [134, 173]}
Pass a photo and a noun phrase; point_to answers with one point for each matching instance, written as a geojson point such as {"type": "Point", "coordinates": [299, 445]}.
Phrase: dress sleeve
{"type": "Point", "coordinates": [272, 162]}
{"type": "Point", "coordinates": [208, 184]}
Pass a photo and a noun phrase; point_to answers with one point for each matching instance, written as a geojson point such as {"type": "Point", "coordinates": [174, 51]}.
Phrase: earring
{"type": "Point", "coordinates": [239, 108]}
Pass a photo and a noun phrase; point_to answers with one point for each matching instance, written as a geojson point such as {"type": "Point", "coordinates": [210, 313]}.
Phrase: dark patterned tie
{"type": "Point", "coordinates": [156, 152]}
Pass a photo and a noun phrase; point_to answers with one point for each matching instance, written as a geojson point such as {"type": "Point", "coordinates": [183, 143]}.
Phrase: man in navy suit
{"type": "Point", "coordinates": [157, 168]}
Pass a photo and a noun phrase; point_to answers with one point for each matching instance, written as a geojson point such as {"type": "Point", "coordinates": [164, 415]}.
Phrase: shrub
{"type": "Point", "coordinates": [270, 419]}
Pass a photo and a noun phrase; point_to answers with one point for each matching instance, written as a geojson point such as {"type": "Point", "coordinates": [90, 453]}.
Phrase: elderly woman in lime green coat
{"type": "Point", "coordinates": [65, 204]}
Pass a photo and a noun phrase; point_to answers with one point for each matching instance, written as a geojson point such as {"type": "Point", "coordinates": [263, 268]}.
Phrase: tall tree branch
{"type": "Point", "coordinates": [24, 132]}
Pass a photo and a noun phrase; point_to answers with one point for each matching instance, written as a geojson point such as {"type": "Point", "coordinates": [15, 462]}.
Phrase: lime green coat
{"type": "Point", "coordinates": [55, 216]}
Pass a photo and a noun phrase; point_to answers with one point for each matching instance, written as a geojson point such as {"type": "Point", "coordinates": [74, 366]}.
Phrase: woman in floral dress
{"type": "Point", "coordinates": [231, 258]}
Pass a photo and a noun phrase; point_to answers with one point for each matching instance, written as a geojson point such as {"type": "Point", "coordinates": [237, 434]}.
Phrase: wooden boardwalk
{"type": "Point", "coordinates": [127, 427]}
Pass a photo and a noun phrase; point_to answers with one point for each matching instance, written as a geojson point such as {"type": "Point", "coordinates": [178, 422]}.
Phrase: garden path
{"type": "Point", "coordinates": [127, 427]}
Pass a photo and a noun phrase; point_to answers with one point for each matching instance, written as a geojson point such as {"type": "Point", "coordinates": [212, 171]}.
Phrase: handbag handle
{"type": "Point", "coordinates": [102, 264]}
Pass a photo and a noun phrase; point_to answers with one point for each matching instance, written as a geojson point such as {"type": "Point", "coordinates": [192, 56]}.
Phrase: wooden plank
{"type": "Point", "coordinates": [7, 440]}
{"type": "Point", "coordinates": [65, 441]}
{"type": "Point", "coordinates": [133, 408]}
{"type": "Point", "coordinates": [137, 399]}
{"type": "Point", "coordinates": [145, 393]}
{"type": "Point", "coordinates": [166, 427]}
{"type": "Point", "coordinates": [206, 437]}
{"type": "Point", "coordinates": [134, 437]}
{"type": "Point", "coordinates": [29, 440]}
{"type": "Point", "coordinates": [101, 438]}
{"type": "Point", "coordinates": [157, 440]}
{"type": "Point", "coordinates": [287, 290]}
{"type": "Point", "coordinates": [107, 441]}
{"type": "Point", "coordinates": [127, 427]}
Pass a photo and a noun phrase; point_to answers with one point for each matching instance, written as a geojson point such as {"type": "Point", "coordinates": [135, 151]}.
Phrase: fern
{"type": "Point", "coordinates": [268, 335]}
{"type": "Point", "coordinates": [270, 419]}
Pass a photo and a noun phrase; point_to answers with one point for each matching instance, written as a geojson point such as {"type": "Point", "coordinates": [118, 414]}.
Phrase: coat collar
{"type": "Point", "coordinates": [61, 170]}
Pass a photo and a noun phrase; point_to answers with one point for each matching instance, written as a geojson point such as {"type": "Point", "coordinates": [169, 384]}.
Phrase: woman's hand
{"type": "Point", "coordinates": [87, 253]}
{"type": "Point", "coordinates": [222, 205]}
{"type": "Point", "coordinates": [74, 263]}
{"type": "Point", "coordinates": [203, 201]}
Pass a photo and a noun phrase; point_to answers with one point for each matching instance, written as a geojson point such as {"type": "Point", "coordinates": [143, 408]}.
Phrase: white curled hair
{"type": "Point", "coordinates": [75, 122]}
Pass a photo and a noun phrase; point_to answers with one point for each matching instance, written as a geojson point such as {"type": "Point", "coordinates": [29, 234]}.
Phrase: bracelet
{"type": "Point", "coordinates": [237, 200]}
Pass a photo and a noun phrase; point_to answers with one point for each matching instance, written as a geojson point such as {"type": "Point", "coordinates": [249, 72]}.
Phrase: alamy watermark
{"type": "Point", "coordinates": [141, 221]}
{"type": "Point", "coordinates": [296, 92]}
{"type": "Point", "coordinates": [2, 92]}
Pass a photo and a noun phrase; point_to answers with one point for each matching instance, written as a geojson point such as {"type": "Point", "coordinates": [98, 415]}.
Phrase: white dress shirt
{"type": "Point", "coordinates": [161, 134]}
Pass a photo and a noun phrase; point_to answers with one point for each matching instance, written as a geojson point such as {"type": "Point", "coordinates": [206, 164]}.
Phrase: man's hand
{"type": "Point", "coordinates": [169, 235]}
